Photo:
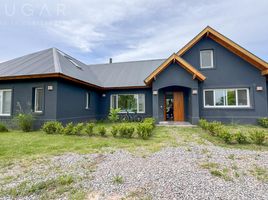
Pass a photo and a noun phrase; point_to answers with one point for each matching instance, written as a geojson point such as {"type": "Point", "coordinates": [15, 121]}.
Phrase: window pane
{"type": "Point", "coordinates": [206, 58]}
{"type": "Point", "coordinates": [6, 102]}
{"type": "Point", "coordinates": [219, 97]}
{"type": "Point", "coordinates": [231, 97]}
{"type": "Point", "coordinates": [127, 103]}
{"type": "Point", "coordinates": [39, 94]}
{"type": "Point", "coordinates": [87, 100]}
{"type": "Point", "coordinates": [209, 100]}
{"type": "Point", "coordinates": [242, 97]}
{"type": "Point", "coordinates": [113, 101]}
{"type": "Point", "coordinates": [141, 103]}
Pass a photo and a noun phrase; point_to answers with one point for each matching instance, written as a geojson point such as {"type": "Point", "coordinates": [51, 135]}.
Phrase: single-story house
{"type": "Point", "coordinates": [211, 77]}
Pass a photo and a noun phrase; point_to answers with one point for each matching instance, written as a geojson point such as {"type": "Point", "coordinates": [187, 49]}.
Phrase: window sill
{"type": "Point", "coordinates": [5, 115]}
{"type": "Point", "coordinates": [228, 108]}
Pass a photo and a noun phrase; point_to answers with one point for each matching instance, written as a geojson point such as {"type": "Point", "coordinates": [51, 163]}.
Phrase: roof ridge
{"type": "Point", "coordinates": [127, 62]}
{"type": "Point", "coordinates": [56, 61]}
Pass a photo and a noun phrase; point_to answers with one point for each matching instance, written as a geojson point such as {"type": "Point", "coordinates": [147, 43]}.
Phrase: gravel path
{"type": "Point", "coordinates": [190, 172]}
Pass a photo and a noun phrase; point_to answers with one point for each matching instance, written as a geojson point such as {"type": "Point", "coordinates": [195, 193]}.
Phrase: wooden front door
{"type": "Point", "coordinates": [178, 106]}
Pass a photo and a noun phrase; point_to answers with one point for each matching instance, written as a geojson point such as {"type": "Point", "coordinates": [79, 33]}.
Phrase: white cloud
{"type": "Point", "coordinates": [132, 30]}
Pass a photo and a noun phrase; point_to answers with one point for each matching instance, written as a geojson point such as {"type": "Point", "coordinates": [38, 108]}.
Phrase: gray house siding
{"type": "Point", "coordinates": [230, 71]}
{"type": "Point", "coordinates": [71, 103]}
{"type": "Point", "coordinates": [22, 99]}
{"type": "Point", "coordinates": [106, 95]}
{"type": "Point", "coordinates": [173, 78]}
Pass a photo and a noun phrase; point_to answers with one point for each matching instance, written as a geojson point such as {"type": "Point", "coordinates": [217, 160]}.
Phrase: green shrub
{"type": "Point", "coordinates": [25, 122]}
{"type": "Point", "coordinates": [114, 114]}
{"type": "Point", "coordinates": [225, 135]}
{"type": "Point", "coordinates": [144, 130]}
{"type": "Point", "coordinates": [3, 128]}
{"type": "Point", "coordinates": [240, 138]}
{"type": "Point", "coordinates": [114, 130]}
{"type": "Point", "coordinates": [126, 130]}
{"type": "Point", "coordinates": [263, 122]}
{"type": "Point", "coordinates": [69, 129]}
{"type": "Point", "coordinates": [78, 128]}
{"type": "Point", "coordinates": [149, 121]}
{"type": "Point", "coordinates": [52, 127]}
{"type": "Point", "coordinates": [89, 129]}
{"type": "Point", "coordinates": [257, 136]}
{"type": "Point", "coordinates": [214, 127]}
{"type": "Point", "coordinates": [204, 124]}
{"type": "Point", "coordinates": [102, 131]}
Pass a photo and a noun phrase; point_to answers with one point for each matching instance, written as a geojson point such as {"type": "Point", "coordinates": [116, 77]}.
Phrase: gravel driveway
{"type": "Point", "coordinates": [187, 172]}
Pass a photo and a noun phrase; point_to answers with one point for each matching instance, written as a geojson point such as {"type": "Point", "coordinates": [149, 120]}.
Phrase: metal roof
{"type": "Point", "coordinates": [49, 61]}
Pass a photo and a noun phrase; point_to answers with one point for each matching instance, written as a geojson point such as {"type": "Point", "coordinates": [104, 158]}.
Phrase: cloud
{"type": "Point", "coordinates": [128, 30]}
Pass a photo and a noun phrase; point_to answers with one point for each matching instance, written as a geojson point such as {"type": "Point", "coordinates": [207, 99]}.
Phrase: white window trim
{"type": "Point", "coordinates": [137, 97]}
{"type": "Point", "coordinates": [2, 98]}
{"type": "Point", "coordinates": [227, 106]}
{"type": "Point", "coordinates": [87, 100]}
{"type": "Point", "coordinates": [212, 59]}
{"type": "Point", "coordinates": [35, 99]}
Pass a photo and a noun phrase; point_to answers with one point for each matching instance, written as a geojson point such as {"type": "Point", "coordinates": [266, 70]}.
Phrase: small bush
{"type": "Point", "coordinates": [25, 122]}
{"type": "Point", "coordinates": [3, 128]}
{"type": "Point", "coordinates": [204, 124]}
{"type": "Point", "coordinates": [263, 122]}
{"type": "Point", "coordinates": [53, 127]}
{"type": "Point", "coordinates": [257, 136]}
{"type": "Point", "coordinates": [115, 130]}
{"type": "Point", "coordinates": [149, 121]}
{"type": "Point", "coordinates": [78, 128]}
{"type": "Point", "coordinates": [102, 131]}
{"type": "Point", "coordinates": [89, 129]}
{"type": "Point", "coordinates": [114, 114]}
{"type": "Point", "coordinates": [240, 138]}
{"type": "Point", "coordinates": [126, 130]}
{"type": "Point", "coordinates": [214, 127]}
{"type": "Point", "coordinates": [225, 135]}
{"type": "Point", "coordinates": [144, 130]}
{"type": "Point", "coordinates": [69, 129]}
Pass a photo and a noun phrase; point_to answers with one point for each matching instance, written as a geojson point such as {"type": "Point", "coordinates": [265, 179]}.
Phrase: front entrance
{"type": "Point", "coordinates": [174, 106]}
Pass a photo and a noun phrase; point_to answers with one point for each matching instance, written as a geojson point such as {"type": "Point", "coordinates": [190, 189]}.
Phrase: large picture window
{"type": "Point", "coordinates": [129, 102]}
{"type": "Point", "coordinates": [38, 100]}
{"type": "Point", "coordinates": [5, 102]}
{"type": "Point", "coordinates": [225, 98]}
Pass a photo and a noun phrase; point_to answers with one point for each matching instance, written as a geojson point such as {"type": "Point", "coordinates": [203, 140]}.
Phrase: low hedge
{"type": "Point", "coordinates": [217, 129]}
{"type": "Point", "coordinates": [263, 122]}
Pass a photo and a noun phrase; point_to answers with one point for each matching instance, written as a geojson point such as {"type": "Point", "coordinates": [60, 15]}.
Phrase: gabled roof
{"type": "Point", "coordinates": [175, 58]}
{"type": "Point", "coordinates": [230, 45]}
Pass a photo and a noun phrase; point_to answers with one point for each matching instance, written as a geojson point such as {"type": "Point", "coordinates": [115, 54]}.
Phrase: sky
{"type": "Point", "coordinates": [95, 30]}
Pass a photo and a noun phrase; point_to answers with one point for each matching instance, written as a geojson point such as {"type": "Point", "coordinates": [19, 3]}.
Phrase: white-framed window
{"type": "Point", "coordinates": [128, 102]}
{"type": "Point", "coordinates": [206, 59]}
{"type": "Point", "coordinates": [38, 100]}
{"type": "Point", "coordinates": [87, 100]}
{"type": "Point", "coordinates": [226, 98]}
{"type": "Point", "coordinates": [5, 102]}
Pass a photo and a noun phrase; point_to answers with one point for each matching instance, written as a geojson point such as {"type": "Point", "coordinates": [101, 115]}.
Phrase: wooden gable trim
{"type": "Point", "coordinates": [181, 62]}
{"type": "Point", "coordinates": [227, 43]}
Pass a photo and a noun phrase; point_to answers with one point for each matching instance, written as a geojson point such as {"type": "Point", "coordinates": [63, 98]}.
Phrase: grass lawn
{"type": "Point", "coordinates": [16, 145]}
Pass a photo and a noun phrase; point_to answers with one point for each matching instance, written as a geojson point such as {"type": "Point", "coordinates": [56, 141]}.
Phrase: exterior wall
{"type": "Point", "coordinates": [22, 99]}
{"type": "Point", "coordinates": [230, 72]}
{"type": "Point", "coordinates": [105, 101]}
{"type": "Point", "coordinates": [175, 76]}
{"type": "Point", "coordinates": [71, 103]}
